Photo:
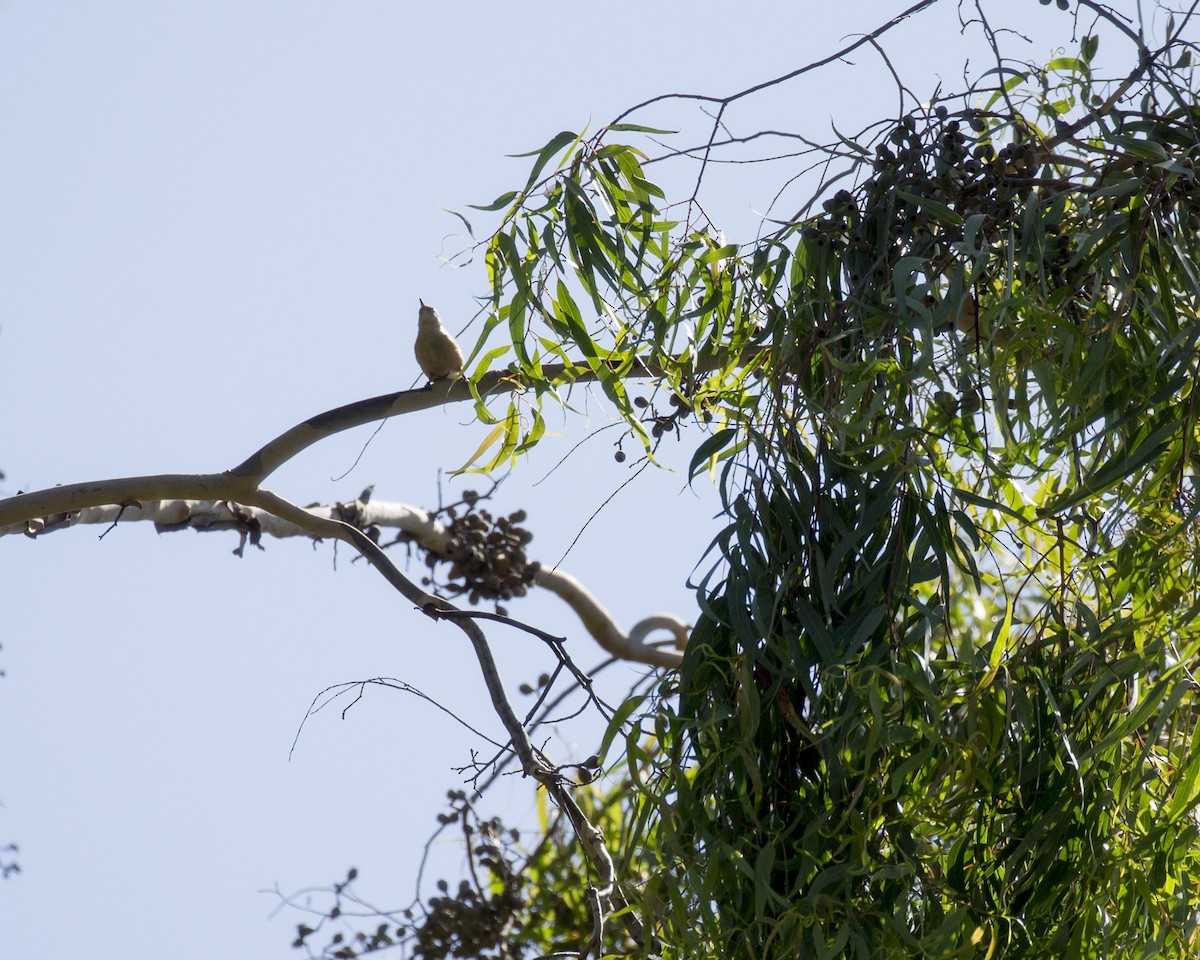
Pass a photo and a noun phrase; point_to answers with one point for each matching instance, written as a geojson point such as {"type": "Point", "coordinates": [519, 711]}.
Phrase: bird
{"type": "Point", "coordinates": [437, 352]}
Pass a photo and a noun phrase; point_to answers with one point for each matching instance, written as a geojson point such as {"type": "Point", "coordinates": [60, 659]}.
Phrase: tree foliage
{"type": "Point", "coordinates": [941, 699]}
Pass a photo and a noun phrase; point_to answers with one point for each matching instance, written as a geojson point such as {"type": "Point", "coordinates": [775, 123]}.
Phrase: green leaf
{"type": "Point", "coordinates": [1000, 644]}
{"type": "Point", "coordinates": [546, 153]}
{"type": "Point", "coordinates": [499, 203]}
{"type": "Point", "coordinates": [710, 448]}
{"type": "Point", "coordinates": [485, 362]}
{"type": "Point", "coordinates": [1185, 791]}
{"type": "Point", "coordinates": [490, 440]}
{"type": "Point", "coordinates": [935, 208]}
{"type": "Point", "coordinates": [1122, 465]}
{"type": "Point", "coordinates": [637, 128]}
{"type": "Point", "coordinates": [617, 724]}
{"type": "Point", "coordinates": [1068, 65]}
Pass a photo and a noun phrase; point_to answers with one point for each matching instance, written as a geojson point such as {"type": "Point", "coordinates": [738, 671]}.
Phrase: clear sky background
{"type": "Point", "coordinates": [216, 220]}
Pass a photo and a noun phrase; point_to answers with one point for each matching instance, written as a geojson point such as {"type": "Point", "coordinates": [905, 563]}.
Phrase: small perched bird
{"type": "Point", "coordinates": [437, 353]}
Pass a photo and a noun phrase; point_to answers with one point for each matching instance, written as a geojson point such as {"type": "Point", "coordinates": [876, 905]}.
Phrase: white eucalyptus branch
{"type": "Point", "coordinates": [417, 524]}
{"type": "Point", "coordinates": [533, 762]}
{"type": "Point", "coordinates": [235, 499]}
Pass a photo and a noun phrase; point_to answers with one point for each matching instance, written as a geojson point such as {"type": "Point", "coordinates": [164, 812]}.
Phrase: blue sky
{"type": "Point", "coordinates": [216, 221]}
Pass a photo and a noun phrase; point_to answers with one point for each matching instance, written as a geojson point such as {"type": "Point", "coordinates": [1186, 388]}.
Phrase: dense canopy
{"type": "Point", "coordinates": [941, 700]}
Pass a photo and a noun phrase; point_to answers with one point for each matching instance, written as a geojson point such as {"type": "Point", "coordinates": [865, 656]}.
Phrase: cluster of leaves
{"type": "Point", "coordinates": [940, 700]}
{"type": "Point", "coordinates": [942, 697]}
{"type": "Point", "coordinates": [591, 233]}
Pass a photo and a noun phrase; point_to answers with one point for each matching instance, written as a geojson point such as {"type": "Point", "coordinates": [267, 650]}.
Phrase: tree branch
{"type": "Point", "coordinates": [775, 81]}
{"type": "Point", "coordinates": [533, 763]}
{"type": "Point", "coordinates": [419, 525]}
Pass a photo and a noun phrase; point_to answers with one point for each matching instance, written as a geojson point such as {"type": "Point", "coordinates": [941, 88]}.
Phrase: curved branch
{"type": "Point", "coordinates": [243, 515]}
{"type": "Point", "coordinates": [601, 625]}
{"type": "Point", "coordinates": [324, 527]}
{"type": "Point", "coordinates": [178, 499]}
{"type": "Point", "coordinates": [236, 484]}
{"type": "Point", "coordinates": [62, 506]}
{"type": "Point", "coordinates": [60, 502]}
{"type": "Point", "coordinates": [533, 764]}
{"type": "Point", "coordinates": [270, 457]}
